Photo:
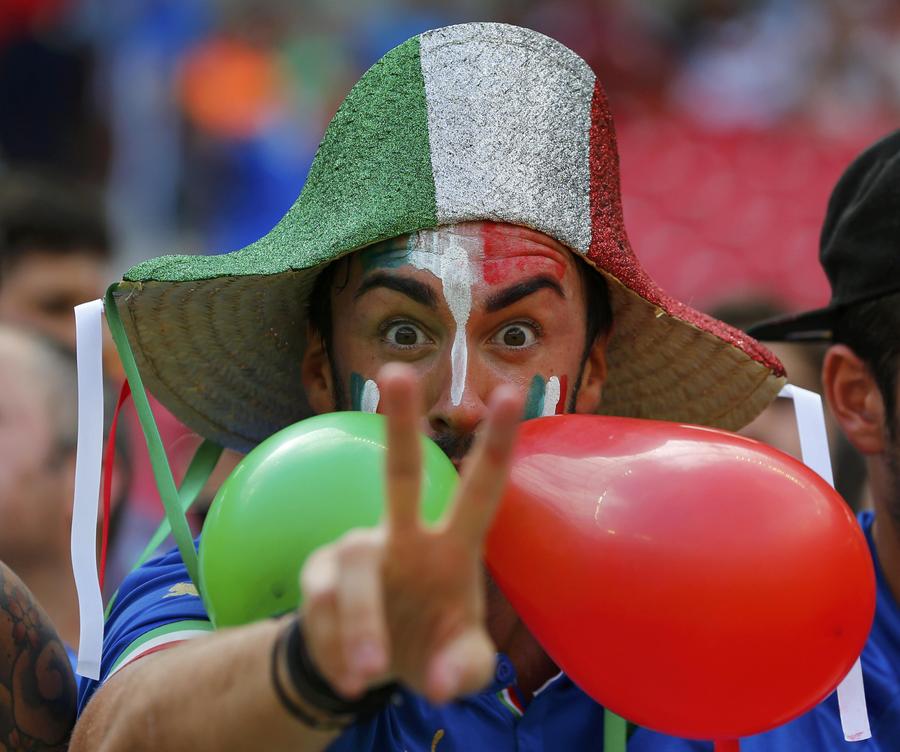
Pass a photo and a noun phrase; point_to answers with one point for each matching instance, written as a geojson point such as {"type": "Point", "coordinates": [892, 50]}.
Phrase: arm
{"type": "Point", "coordinates": [208, 693]}
{"type": "Point", "coordinates": [37, 686]}
{"type": "Point", "coordinates": [366, 596]}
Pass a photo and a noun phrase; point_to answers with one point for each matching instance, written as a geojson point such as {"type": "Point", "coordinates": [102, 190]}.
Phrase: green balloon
{"type": "Point", "coordinates": [300, 489]}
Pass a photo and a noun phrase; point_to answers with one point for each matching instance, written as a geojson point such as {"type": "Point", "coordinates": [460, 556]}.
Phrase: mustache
{"type": "Point", "coordinates": [454, 445]}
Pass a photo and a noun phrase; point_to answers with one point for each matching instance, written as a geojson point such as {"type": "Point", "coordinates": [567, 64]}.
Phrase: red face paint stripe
{"type": "Point", "coordinates": [563, 394]}
{"type": "Point", "coordinates": [506, 255]}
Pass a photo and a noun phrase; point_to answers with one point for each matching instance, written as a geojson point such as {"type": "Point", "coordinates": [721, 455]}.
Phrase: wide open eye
{"type": "Point", "coordinates": [516, 336]}
{"type": "Point", "coordinates": [405, 334]}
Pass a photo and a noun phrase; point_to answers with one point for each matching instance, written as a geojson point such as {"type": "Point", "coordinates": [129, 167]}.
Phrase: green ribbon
{"type": "Point", "coordinates": [196, 477]}
{"type": "Point", "coordinates": [162, 473]}
{"type": "Point", "coordinates": [615, 732]}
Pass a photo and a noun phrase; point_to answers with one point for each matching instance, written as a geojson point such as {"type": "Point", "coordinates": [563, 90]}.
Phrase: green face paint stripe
{"type": "Point", "coordinates": [534, 405]}
{"type": "Point", "coordinates": [356, 389]}
{"type": "Point", "coordinates": [386, 255]}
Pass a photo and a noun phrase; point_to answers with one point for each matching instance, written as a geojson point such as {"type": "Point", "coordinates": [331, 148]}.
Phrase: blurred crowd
{"type": "Point", "coordinates": [130, 129]}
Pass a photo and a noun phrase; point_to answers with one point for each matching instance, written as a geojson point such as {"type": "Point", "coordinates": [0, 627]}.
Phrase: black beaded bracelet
{"type": "Point", "coordinates": [314, 691]}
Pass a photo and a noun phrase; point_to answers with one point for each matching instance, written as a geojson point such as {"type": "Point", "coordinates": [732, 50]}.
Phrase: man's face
{"type": "Point", "coordinates": [33, 481]}
{"type": "Point", "coordinates": [469, 307]}
{"type": "Point", "coordinates": [41, 290]}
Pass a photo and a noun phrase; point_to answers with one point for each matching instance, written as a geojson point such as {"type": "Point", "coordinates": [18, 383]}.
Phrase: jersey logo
{"type": "Point", "coordinates": [437, 737]}
{"type": "Point", "coordinates": [182, 588]}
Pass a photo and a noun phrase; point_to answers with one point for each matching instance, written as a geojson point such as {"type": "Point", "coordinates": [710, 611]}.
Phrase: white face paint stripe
{"type": "Point", "coordinates": [370, 397]}
{"type": "Point", "coordinates": [457, 279]}
{"type": "Point", "coordinates": [551, 396]}
{"type": "Point", "coordinates": [451, 264]}
{"type": "Point", "coordinates": [509, 114]}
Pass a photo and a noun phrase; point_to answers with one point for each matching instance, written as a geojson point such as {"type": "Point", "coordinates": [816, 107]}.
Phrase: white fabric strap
{"type": "Point", "coordinates": [814, 449]}
{"type": "Point", "coordinates": [88, 461]}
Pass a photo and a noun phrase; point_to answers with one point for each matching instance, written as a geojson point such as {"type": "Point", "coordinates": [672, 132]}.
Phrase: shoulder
{"type": "Point", "coordinates": [156, 607]}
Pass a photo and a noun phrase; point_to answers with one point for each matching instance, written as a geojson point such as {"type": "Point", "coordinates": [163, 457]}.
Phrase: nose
{"type": "Point", "coordinates": [456, 413]}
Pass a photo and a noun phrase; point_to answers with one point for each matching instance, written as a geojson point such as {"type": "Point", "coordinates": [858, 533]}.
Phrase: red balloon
{"type": "Point", "coordinates": [691, 580]}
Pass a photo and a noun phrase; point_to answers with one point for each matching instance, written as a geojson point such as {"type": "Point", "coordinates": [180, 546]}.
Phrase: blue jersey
{"type": "Point", "coordinates": [819, 730]}
{"type": "Point", "coordinates": [157, 606]}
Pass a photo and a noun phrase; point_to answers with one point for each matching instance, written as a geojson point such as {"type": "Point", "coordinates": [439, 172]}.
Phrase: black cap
{"type": "Point", "coordinates": [859, 245]}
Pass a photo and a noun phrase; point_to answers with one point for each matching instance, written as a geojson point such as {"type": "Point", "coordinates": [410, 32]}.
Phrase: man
{"type": "Point", "coordinates": [54, 251]}
{"type": "Point", "coordinates": [861, 384]}
{"type": "Point", "coordinates": [38, 396]}
{"type": "Point", "coordinates": [473, 170]}
{"type": "Point", "coordinates": [37, 597]}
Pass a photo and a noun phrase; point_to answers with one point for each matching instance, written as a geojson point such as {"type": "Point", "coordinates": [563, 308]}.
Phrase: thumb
{"type": "Point", "coordinates": [461, 666]}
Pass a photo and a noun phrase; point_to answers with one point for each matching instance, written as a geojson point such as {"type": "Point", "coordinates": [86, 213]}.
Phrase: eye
{"type": "Point", "coordinates": [517, 336]}
{"type": "Point", "coordinates": [405, 334]}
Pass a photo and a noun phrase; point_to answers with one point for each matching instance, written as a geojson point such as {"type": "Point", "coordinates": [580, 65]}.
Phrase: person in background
{"type": "Point", "coordinates": [861, 377]}
{"type": "Point", "coordinates": [38, 607]}
{"type": "Point", "coordinates": [38, 429]}
{"type": "Point", "coordinates": [777, 424]}
{"type": "Point", "coordinates": [54, 252]}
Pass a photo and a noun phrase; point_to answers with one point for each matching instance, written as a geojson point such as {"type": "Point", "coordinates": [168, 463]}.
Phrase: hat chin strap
{"type": "Point", "coordinates": [814, 450]}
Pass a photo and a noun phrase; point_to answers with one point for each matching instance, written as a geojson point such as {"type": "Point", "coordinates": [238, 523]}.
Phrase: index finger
{"type": "Point", "coordinates": [400, 400]}
{"type": "Point", "coordinates": [484, 476]}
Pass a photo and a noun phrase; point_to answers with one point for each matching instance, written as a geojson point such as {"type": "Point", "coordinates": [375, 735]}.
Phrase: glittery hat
{"type": "Point", "coordinates": [479, 121]}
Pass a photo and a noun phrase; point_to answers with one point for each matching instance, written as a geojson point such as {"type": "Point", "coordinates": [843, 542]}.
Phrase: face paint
{"type": "Point", "coordinates": [450, 257]}
{"type": "Point", "coordinates": [551, 397]}
{"type": "Point", "coordinates": [370, 397]}
{"type": "Point", "coordinates": [509, 251]}
{"type": "Point", "coordinates": [364, 394]}
{"type": "Point", "coordinates": [546, 397]}
{"type": "Point", "coordinates": [460, 258]}
{"type": "Point", "coordinates": [456, 276]}
{"type": "Point", "coordinates": [534, 404]}
{"type": "Point", "coordinates": [356, 388]}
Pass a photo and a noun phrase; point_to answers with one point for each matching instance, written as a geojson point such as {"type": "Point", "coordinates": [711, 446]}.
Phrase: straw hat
{"type": "Point", "coordinates": [477, 121]}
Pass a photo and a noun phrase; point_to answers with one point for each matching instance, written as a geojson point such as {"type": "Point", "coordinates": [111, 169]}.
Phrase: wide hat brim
{"type": "Point", "coordinates": [432, 135]}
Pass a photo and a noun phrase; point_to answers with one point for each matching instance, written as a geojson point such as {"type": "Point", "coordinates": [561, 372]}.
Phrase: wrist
{"type": "Point", "coordinates": [307, 695]}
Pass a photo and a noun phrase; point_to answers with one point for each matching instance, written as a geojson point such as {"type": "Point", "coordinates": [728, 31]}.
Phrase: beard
{"type": "Point", "coordinates": [454, 445]}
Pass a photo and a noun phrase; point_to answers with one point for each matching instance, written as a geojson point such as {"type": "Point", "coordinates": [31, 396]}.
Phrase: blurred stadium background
{"type": "Point", "coordinates": [199, 118]}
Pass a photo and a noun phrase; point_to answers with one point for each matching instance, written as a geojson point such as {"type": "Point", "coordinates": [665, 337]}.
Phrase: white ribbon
{"type": "Point", "coordinates": [88, 461]}
{"type": "Point", "coordinates": [814, 450]}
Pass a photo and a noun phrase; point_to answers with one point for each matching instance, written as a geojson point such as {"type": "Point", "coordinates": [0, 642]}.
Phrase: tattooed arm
{"type": "Point", "coordinates": [37, 686]}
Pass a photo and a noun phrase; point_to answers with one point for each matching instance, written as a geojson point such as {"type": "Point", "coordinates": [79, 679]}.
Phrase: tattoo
{"type": "Point", "coordinates": [37, 686]}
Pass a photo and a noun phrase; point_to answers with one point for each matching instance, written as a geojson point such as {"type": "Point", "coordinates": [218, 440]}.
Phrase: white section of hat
{"type": "Point", "coordinates": [814, 450]}
{"type": "Point", "coordinates": [88, 461]}
{"type": "Point", "coordinates": [509, 117]}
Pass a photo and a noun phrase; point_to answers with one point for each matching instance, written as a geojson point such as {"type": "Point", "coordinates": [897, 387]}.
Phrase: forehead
{"type": "Point", "coordinates": [493, 253]}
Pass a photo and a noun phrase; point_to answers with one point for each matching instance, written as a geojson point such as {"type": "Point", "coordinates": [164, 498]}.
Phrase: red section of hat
{"type": "Point", "coordinates": [611, 251]}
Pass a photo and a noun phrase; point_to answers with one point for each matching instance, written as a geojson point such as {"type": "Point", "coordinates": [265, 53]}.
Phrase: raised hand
{"type": "Point", "coordinates": [404, 601]}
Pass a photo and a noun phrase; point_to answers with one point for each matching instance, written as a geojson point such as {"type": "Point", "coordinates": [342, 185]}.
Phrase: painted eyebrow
{"type": "Point", "coordinates": [411, 288]}
{"type": "Point", "coordinates": [505, 298]}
